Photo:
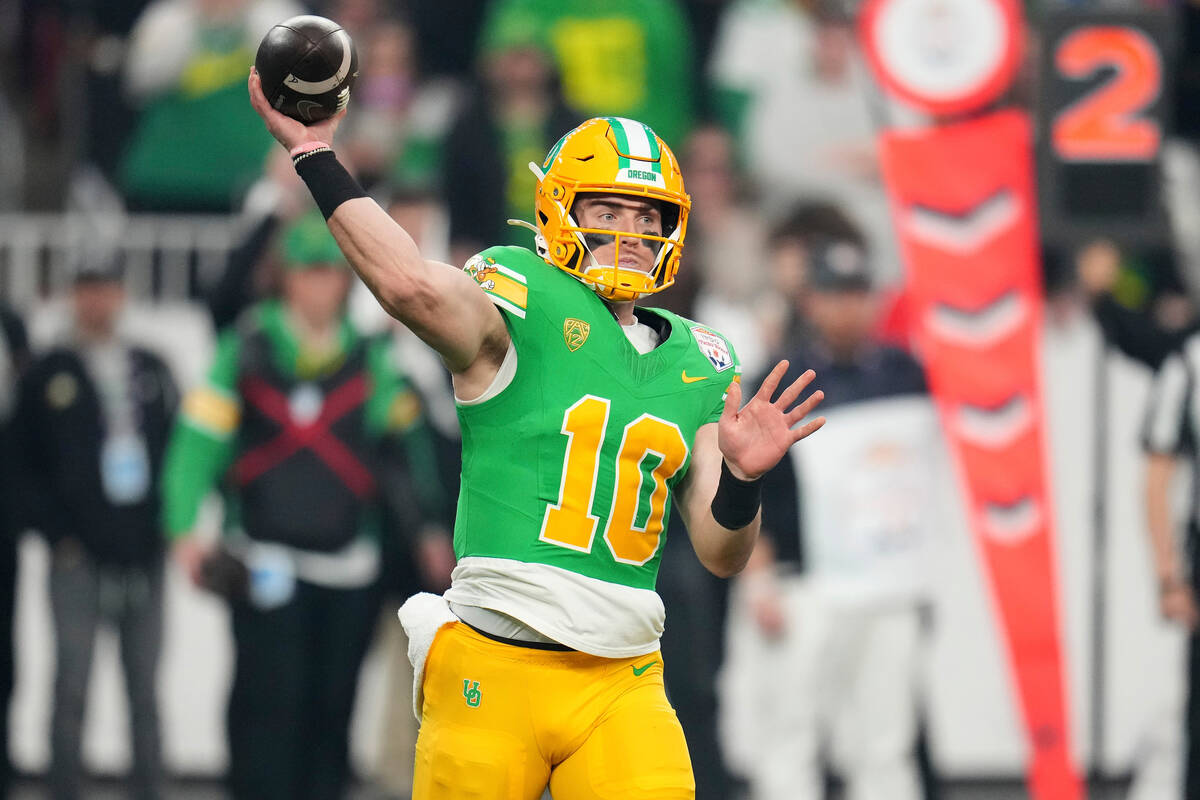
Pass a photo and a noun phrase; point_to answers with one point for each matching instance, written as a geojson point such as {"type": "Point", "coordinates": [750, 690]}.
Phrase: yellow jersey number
{"type": "Point", "coordinates": [570, 523]}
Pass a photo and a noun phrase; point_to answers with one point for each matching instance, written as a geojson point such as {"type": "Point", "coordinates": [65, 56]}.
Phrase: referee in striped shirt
{"type": "Point", "coordinates": [1172, 420]}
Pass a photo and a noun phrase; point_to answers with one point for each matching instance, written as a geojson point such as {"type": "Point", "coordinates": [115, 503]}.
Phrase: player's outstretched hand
{"type": "Point", "coordinates": [754, 437]}
{"type": "Point", "coordinates": [287, 131]}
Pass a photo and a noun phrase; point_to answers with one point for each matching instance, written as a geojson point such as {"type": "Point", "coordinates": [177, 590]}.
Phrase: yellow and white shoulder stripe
{"type": "Point", "coordinates": [507, 287]}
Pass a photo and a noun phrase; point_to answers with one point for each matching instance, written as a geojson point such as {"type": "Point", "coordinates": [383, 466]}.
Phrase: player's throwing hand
{"type": "Point", "coordinates": [287, 131]}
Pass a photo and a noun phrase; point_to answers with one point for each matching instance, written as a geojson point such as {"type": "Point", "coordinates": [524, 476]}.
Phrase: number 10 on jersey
{"type": "Point", "coordinates": [570, 522]}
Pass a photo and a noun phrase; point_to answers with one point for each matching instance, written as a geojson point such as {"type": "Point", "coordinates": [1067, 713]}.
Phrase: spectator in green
{"type": "Point", "coordinates": [302, 423]}
{"type": "Point", "coordinates": [196, 146]}
{"type": "Point", "coordinates": [628, 58]}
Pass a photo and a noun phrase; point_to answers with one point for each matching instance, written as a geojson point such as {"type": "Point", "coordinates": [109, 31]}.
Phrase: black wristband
{"type": "Point", "coordinates": [327, 180]}
{"type": "Point", "coordinates": [736, 502]}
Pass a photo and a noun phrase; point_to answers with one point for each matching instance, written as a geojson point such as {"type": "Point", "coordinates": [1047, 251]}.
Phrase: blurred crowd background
{"type": "Point", "coordinates": [145, 212]}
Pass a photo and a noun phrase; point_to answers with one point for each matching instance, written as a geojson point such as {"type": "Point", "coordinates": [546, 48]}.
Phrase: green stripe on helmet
{"type": "Point", "coordinates": [640, 142]}
{"type": "Point", "coordinates": [655, 151]}
{"type": "Point", "coordinates": [622, 141]}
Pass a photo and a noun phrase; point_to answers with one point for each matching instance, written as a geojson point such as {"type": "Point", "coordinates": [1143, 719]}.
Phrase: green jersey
{"type": "Point", "coordinates": [222, 154]}
{"type": "Point", "coordinates": [569, 468]}
{"type": "Point", "coordinates": [627, 58]}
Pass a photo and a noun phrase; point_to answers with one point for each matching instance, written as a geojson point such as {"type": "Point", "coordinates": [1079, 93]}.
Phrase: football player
{"type": "Point", "coordinates": [585, 420]}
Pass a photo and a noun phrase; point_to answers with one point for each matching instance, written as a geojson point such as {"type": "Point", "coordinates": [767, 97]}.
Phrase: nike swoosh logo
{"type": "Point", "coordinates": [306, 107]}
{"type": "Point", "coordinates": [689, 379]}
{"type": "Point", "coordinates": [639, 670]}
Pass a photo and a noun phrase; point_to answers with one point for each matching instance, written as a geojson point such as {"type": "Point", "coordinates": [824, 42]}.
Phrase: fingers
{"type": "Point", "coordinates": [771, 382]}
{"type": "Point", "coordinates": [807, 429]}
{"type": "Point", "coordinates": [257, 99]}
{"type": "Point", "coordinates": [792, 392]}
{"type": "Point", "coordinates": [804, 409]}
{"type": "Point", "coordinates": [733, 398]}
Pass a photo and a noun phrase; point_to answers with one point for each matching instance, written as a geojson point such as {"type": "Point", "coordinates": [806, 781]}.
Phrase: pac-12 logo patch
{"type": "Point", "coordinates": [714, 348]}
{"type": "Point", "coordinates": [575, 333]}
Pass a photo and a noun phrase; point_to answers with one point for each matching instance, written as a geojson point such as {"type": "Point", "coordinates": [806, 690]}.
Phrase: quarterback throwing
{"type": "Point", "coordinates": [586, 420]}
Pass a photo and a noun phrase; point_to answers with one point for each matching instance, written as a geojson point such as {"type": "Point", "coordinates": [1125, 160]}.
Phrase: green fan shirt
{"type": "Point", "coordinates": [629, 58]}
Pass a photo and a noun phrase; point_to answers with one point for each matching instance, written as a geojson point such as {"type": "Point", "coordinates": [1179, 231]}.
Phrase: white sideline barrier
{"type": "Point", "coordinates": [166, 256]}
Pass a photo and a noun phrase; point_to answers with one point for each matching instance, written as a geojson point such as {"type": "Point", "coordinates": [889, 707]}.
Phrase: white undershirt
{"type": "Point", "coordinates": [641, 336]}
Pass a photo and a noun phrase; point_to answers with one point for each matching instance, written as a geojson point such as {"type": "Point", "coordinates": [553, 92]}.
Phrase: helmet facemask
{"type": "Point", "coordinates": [624, 283]}
{"type": "Point", "coordinates": [594, 160]}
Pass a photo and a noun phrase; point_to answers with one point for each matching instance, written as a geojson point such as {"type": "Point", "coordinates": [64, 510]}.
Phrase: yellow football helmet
{"type": "Point", "coordinates": [610, 155]}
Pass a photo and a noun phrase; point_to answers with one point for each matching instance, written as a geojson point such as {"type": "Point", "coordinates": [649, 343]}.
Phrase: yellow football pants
{"type": "Point", "coordinates": [500, 722]}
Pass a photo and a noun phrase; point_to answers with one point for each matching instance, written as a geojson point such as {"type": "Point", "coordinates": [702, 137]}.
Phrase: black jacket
{"type": "Point", "coordinates": [14, 349]}
{"type": "Point", "coordinates": [477, 169]}
{"type": "Point", "coordinates": [59, 428]}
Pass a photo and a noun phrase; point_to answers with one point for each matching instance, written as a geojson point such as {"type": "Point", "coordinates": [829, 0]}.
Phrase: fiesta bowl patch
{"type": "Point", "coordinates": [713, 347]}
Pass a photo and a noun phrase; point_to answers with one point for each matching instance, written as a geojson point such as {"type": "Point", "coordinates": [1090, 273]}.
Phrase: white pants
{"type": "Point", "coordinates": [838, 680]}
